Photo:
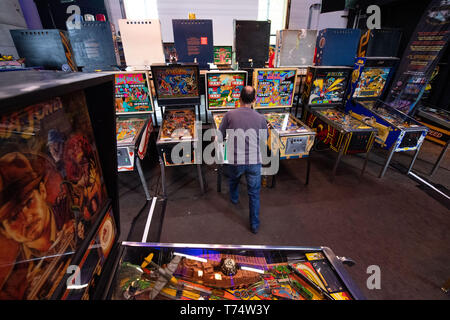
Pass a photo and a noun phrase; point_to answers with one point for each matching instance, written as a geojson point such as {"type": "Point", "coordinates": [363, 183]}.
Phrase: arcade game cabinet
{"type": "Point", "coordinates": [177, 91]}
{"type": "Point", "coordinates": [57, 153]}
{"type": "Point", "coordinates": [223, 91]}
{"type": "Point", "coordinates": [289, 137]}
{"type": "Point", "coordinates": [134, 109]}
{"type": "Point", "coordinates": [396, 131]}
{"type": "Point", "coordinates": [323, 96]}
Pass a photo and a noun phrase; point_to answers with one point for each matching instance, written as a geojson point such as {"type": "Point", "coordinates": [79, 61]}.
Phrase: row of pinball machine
{"type": "Point", "coordinates": [64, 137]}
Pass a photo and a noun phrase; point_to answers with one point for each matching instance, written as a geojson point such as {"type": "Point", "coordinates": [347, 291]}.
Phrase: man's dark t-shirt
{"type": "Point", "coordinates": [245, 119]}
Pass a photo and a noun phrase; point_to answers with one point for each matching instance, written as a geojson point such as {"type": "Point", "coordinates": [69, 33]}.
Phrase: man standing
{"type": "Point", "coordinates": [243, 127]}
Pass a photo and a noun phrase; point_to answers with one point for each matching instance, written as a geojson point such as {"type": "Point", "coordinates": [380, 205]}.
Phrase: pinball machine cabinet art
{"type": "Point", "coordinates": [274, 95]}
{"type": "Point", "coordinates": [57, 157]}
{"type": "Point", "coordinates": [134, 109]}
{"type": "Point", "coordinates": [323, 98]}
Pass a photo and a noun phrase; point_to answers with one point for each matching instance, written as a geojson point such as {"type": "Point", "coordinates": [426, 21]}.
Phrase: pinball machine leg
{"type": "Point", "coordinates": [366, 159]}
{"type": "Point", "coordinates": [439, 160]}
{"type": "Point", "coordinates": [162, 114]}
{"type": "Point", "coordinates": [413, 160]}
{"type": "Point", "coordinates": [142, 177]}
{"type": "Point", "coordinates": [388, 160]}
{"type": "Point", "coordinates": [308, 168]}
{"type": "Point", "coordinates": [341, 152]}
{"type": "Point", "coordinates": [200, 178]}
{"type": "Point", "coordinates": [219, 178]}
{"type": "Point", "coordinates": [163, 178]}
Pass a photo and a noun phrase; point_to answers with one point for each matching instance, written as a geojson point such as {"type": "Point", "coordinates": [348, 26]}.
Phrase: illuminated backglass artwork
{"type": "Point", "coordinates": [274, 87]}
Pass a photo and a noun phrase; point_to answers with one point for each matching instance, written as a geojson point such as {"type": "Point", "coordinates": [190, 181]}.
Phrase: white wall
{"type": "Point", "coordinates": [222, 12]}
{"type": "Point", "coordinates": [300, 13]}
{"type": "Point", "coordinates": [11, 17]}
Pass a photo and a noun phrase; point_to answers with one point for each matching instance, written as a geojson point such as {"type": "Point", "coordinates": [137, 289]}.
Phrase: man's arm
{"type": "Point", "coordinates": [224, 126]}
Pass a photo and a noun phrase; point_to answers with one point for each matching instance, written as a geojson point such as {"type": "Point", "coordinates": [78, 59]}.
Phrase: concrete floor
{"type": "Point", "coordinates": [389, 222]}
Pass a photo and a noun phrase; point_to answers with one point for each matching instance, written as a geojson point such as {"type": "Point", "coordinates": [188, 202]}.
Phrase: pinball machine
{"type": "Point", "coordinates": [323, 100]}
{"type": "Point", "coordinates": [177, 92]}
{"type": "Point", "coordinates": [175, 271]}
{"type": "Point", "coordinates": [193, 40]}
{"type": "Point", "coordinates": [295, 48]}
{"type": "Point", "coordinates": [134, 109]}
{"type": "Point", "coordinates": [60, 155]}
{"type": "Point", "coordinates": [289, 137]}
{"type": "Point", "coordinates": [396, 131]}
{"type": "Point", "coordinates": [223, 90]}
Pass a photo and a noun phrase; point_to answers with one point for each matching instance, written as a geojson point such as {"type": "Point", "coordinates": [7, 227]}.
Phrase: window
{"type": "Point", "coordinates": [275, 11]}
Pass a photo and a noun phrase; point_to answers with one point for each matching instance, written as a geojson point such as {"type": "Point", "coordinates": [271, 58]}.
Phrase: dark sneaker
{"type": "Point", "coordinates": [254, 230]}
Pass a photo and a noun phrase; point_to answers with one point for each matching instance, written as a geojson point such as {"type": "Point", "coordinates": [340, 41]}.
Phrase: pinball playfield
{"type": "Point", "coordinates": [178, 126]}
{"type": "Point", "coordinates": [202, 272]}
{"type": "Point", "coordinates": [341, 131]}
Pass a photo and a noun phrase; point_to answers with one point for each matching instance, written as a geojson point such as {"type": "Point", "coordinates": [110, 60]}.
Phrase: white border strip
{"type": "Point", "coordinates": [428, 184]}
{"type": "Point", "coordinates": [149, 220]}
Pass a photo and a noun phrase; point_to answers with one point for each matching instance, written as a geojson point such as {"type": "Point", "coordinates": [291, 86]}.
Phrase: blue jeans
{"type": "Point", "coordinates": [253, 176]}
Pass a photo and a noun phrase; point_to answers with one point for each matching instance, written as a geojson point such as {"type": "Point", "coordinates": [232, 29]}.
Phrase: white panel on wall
{"type": "Point", "coordinates": [114, 12]}
{"type": "Point", "coordinates": [221, 12]}
{"type": "Point", "coordinates": [300, 14]}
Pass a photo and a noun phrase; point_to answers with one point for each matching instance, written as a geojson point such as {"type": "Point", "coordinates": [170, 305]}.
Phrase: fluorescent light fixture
{"type": "Point", "coordinates": [253, 269]}
{"type": "Point", "coordinates": [190, 257]}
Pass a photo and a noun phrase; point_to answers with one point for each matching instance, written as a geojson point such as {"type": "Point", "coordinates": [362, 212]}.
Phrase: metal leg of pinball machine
{"type": "Point", "coordinates": [366, 158]}
{"type": "Point", "coordinates": [439, 160]}
{"type": "Point", "coordinates": [219, 177]}
{"type": "Point", "coordinates": [200, 178]}
{"type": "Point", "coordinates": [388, 160]}
{"type": "Point", "coordinates": [308, 169]}
{"type": "Point", "coordinates": [142, 177]}
{"type": "Point", "coordinates": [341, 152]}
{"type": "Point", "coordinates": [414, 159]}
{"type": "Point", "coordinates": [163, 177]}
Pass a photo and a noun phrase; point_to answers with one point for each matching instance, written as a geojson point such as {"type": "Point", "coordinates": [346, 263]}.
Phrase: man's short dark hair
{"type": "Point", "coordinates": [248, 94]}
